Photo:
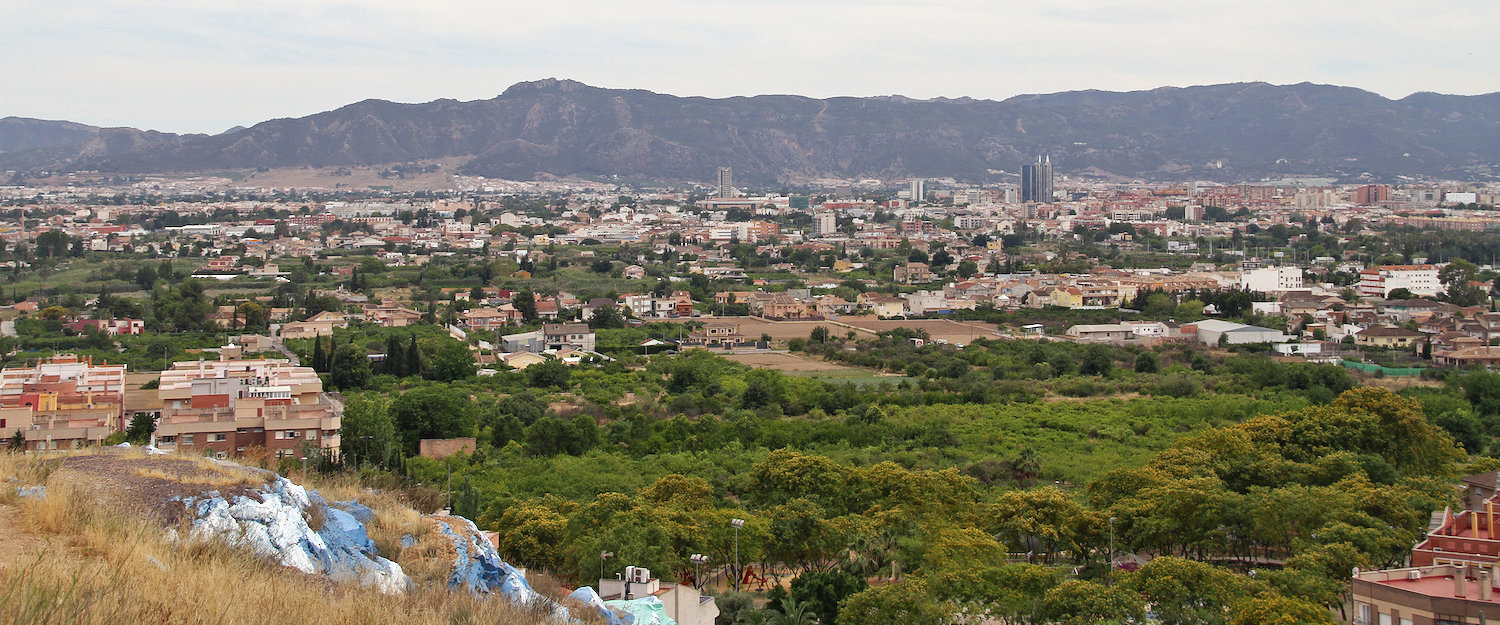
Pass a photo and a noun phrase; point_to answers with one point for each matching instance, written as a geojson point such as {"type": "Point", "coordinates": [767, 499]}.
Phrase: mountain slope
{"type": "Point", "coordinates": [1231, 131]}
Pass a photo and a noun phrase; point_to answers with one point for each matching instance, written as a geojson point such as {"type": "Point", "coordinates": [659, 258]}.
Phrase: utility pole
{"type": "Point", "coordinates": [737, 524]}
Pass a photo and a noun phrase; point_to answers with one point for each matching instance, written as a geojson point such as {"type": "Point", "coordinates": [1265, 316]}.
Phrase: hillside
{"type": "Point", "coordinates": [559, 127]}
{"type": "Point", "coordinates": [87, 537]}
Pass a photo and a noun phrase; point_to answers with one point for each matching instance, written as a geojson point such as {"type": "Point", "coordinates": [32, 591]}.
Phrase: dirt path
{"type": "Point", "coordinates": [17, 544]}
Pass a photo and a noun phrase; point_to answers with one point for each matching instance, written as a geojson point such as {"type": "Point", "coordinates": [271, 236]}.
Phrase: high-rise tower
{"type": "Point", "coordinates": [726, 182]}
{"type": "Point", "coordinates": [1036, 180]}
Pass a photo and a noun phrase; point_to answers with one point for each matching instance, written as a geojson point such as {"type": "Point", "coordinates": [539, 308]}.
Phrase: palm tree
{"type": "Point", "coordinates": [793, 613]}
{"type": "Point", "coordinates": [1027, 467]}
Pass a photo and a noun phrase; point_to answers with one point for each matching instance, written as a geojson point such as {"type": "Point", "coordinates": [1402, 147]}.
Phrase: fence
{"type": "Point", "coordinates": [1389, 371]}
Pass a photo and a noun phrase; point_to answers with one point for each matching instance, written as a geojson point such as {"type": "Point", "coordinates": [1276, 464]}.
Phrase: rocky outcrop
{"type": "Point", "coordinates": [273, 521]}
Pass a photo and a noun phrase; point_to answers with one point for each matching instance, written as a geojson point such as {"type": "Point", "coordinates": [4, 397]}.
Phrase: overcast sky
{"type": "Point", "coordinates": [206, 66]}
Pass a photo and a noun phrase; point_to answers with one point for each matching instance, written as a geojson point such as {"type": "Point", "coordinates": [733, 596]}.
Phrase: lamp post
{"type": "Point", "coordinates": [737, 524]}
{"type": "Point", "coordinates": [1110, 565]}
{"type": "Point", "coordinates": [604, 555]}
{"type": "Point", "coordinates": [698, 561]}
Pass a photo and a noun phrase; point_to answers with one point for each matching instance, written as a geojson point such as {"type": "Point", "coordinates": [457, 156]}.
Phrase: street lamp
{"type": "Point", "coordinates": [1110, 565]}
{"type": "Point", "coordinates": [737, 524]}
{"type": "Point", "coordinates": [698, 561]}
{"type": "Point", "coordinates": [604, 555]}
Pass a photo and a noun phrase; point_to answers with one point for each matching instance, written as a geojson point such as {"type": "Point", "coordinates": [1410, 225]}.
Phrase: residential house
{"type": "Point", "coordinates": [914, 273]}
{"type": "Point", "coordinates": [522, 360]}
{"type": "Point", "coordinates": [1102, 332]}
{"type": "Point", "coordinates": [560, 335]}
{"type": "Point", "coordinates": [716, 334]}
{"type": "Point", "coordinates": [485, 319]}
{"type": "Point", "coordinates": [1487, 356]}
{"type": "Point", "coordinates": [534, 342]}
{"type": "Point", "coordinates": [1393, 337]}
{"type": "Point", "coordinates": [111, 327]}
{"type": "Point", "coordinates": [389, 314]}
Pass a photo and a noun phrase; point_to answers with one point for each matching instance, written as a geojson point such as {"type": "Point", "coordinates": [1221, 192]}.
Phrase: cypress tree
{"type": "Point", "coordinates": [395, 358]}
{"type": "Point", "coordinates": [413, 357]}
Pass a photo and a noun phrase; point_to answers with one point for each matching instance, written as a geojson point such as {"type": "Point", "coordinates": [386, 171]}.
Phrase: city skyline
{"type": "Point", "coordinates": [198, 68]}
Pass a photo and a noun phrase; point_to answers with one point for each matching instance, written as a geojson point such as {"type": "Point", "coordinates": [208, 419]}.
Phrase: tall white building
{"type": "Point", "coordinates": [1268, 279]}
{"type": "Point", "coordinates": [1421, 280]}
{"type": "Point", "coordinates": [918, 191]}
{"type": "Point", "coordinates": [726, 182]}
{"type": "Point", "coordinates": [825, 223]}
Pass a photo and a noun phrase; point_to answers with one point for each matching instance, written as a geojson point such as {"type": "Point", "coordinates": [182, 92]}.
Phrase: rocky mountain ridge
{"type": "Point", "coordinates": [560, 128]}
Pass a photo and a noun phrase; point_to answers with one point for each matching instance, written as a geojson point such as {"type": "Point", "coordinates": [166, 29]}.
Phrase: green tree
{"type": "Point", "coordinates": [1185, 592]}
{"type": "Point", "coordinates": [551, 373]}
{"type": "Point", "coordinates": [349, 368]}
{"type": "Point", "coordinates": [1278, 610]}
{"type": "Point", "coordinates": [821, 592]}
{"type": "Point", "coordinates": [793, 612]}
{"type": "Point", "coordinates": [141, 427]}
{"type": "Point", "coordinates": [525, 301]}
{"type": "Point", "coordinates": [606, 317]}
{"type": "Point", "coordinates": [252, 314]}
{"type": "Point", "coordinates": [1458, 280]}
{"type": "Point", "coordinates": [1189, 310]}
{"type": "Point", "coordinates": [432, 412]}
{"type": "Point", "coordinates": [1078, 602]}
{"type": "Point", "coordinates": [1146, 362]}
{"type": "Point", "coordinates": [909, 602]}
{"type": "Point", "coordinates": [452, 362]}
{"type": "Point", "coordinates": [369, 432]}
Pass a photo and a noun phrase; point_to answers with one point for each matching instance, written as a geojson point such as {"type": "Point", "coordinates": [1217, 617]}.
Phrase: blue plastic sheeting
{"type": "Point", "coordinates": [645, 611]}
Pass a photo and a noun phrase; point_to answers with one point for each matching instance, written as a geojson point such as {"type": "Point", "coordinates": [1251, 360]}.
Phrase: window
{"type": "Point", "coordinates": [312, 434]}
{"type": "Point", "coordinates": [219, 438]}
{"type": "Point", "coordinates": [279, 435]}
{"type": "Point", "coordinates": [187, 439]}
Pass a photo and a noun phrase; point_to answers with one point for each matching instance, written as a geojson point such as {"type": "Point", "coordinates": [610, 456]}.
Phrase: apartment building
{"type": "Point", "coordinates": [232, 404]}
{"type": "Point", "coordinates": [1421, 280]}
{"type": "Point", "coordinates": [1269, 279]}
{"type": "Point", "coordinates": [62, 402]}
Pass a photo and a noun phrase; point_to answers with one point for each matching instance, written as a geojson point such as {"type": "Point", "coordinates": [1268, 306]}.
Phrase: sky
{"type": "Point", "coordinates": [196, 66]}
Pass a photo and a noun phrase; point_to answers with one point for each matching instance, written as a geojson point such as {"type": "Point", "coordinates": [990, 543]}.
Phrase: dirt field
{"type": "Point", "coordinates": [785, 362]}
{"type": "Point", "coordinates": [780, 331]}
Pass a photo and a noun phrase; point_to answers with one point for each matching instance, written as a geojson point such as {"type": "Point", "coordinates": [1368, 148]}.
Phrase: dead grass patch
{"type": "Point", "coordinates": [108, 565]}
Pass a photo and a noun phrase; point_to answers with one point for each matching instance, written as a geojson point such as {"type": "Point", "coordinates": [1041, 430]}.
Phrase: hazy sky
{"type": "Point", "coordinates": [205, 66]}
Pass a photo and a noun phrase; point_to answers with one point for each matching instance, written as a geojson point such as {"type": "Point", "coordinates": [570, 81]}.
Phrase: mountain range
{"type": "Point", "coordinates": [552, 127]}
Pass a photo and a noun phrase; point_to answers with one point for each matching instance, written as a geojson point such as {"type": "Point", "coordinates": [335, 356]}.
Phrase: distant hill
{"type": "Point", "coordinates": [559, 127]}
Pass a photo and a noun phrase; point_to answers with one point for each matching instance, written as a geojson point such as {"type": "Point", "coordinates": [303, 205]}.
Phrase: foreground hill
{"type": "Point", "coordinates": [122, 536]}
{"type": "Point", "coordinates": [559, 127]}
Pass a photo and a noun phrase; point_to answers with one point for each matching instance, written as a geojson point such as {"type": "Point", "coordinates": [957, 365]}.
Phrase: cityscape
{"type": "Point", "coordinates": [1088, 328]}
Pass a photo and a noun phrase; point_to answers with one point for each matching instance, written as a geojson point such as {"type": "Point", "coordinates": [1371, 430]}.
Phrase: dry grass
{"type": "Point", "coordinates": [105, 566]}
{"type": "Point", "coordinates": [205, 472]}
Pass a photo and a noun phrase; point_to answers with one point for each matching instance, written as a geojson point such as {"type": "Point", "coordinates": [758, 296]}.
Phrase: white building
{"type": "Point", "coordinates": [1210, 331]}
{"type": "Point", "coordinates": [1268, 279]}
{"type": "Point", "coordinates": [1421, 280]}
{"type": "Point", "coordinates": [825, 224]}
